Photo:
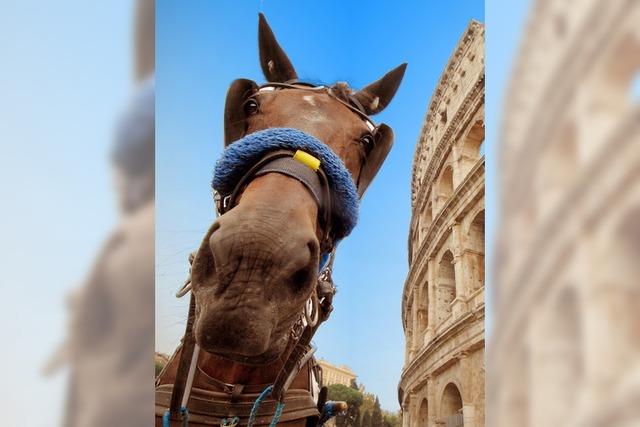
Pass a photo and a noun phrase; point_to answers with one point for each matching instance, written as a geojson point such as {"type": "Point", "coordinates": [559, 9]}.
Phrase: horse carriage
{"type": "Point", "coordinates": [298, 157]}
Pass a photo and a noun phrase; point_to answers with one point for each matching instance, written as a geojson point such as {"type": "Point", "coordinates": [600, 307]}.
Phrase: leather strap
{"type": "Point", "coordinates": [208, 408]}
{"type": "Point", "coordinates": [293, 168]}
{"type": "Point", "coordinates": [230, 388]}
{"type": "Point", "coordinates": [184, 363]}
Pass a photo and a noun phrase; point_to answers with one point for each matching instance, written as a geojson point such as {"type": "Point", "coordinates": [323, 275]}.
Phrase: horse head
{"type": "Point", "coordinates": [258, 263]}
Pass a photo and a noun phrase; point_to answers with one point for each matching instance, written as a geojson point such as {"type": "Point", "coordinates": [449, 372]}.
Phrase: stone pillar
{"type": "Point", "coordinates": [467, 392]}
{"type": "Point", "coordinates": [409, 330]}
{"type": "Point", "coordinates": [423, 311]}
{"type": "Point", "coordinates": [456, 163]}
{"type": "Point", "coordinates": [417, 335]}
{"type": "Point", "coordinates": [459, 305]}
{"type": "Point", "coordinates": [406, 418]}
{"type": "Point", "coordinates": [431, 309]}
{"type": "Point", "coordinates": [431, 399]}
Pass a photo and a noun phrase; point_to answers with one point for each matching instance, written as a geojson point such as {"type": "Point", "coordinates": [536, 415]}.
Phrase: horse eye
{"type": "Point", "coordinates": [250, 106]}
{"type": "Point", "coordinates": [367, 140]}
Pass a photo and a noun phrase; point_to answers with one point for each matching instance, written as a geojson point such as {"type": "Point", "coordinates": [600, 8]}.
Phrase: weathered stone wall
{"type": "Point", "coordinates": [443, 296]}
{"type": "Point", "coordinates": [565, 349]}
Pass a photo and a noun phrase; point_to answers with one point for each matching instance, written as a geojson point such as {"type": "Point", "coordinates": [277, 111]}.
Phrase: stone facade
{"type": "Point", "coordinates": [442, 381]}
{"type": "Point", "coordinates": [332, 374]}
{"type": "Point", "coordinates": [565, 348]}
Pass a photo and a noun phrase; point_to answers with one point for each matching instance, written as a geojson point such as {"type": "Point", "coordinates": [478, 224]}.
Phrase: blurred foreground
{"type": "Point", "coordinates": [77, 166]}
{"type": "Point", "coordinates": [565, 349]}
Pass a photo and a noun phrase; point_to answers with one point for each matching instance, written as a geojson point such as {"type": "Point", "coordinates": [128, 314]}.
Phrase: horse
{"type": "Point", "coordinates": [260, 280]}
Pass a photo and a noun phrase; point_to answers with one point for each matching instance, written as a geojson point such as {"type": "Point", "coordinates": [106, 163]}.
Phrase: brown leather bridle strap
{"type": "Point", "coordinates": [186, 355]}
{"type": "Point", "coordinates": [298, 357]}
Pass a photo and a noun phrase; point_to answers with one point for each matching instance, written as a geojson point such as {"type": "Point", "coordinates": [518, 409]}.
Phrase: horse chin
{"type": "Point", "coordinates": [241, 338]}
{"type": "Point", "coordinates": [265, 358]}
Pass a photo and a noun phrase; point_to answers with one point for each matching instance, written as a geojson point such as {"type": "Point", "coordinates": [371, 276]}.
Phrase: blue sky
{"type": "Point", "coordinates": [202, 48]}
{"type": "Point", "coordinates": [503, 27]}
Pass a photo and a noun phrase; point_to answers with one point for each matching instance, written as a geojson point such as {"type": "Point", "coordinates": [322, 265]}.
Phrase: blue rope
{"type": "Point", "coordinates": [166, 417]}
{"type": "Point", "coordinates": [256, 406]}
{"type": "Point", "coordinates": [229, 422]}
{"type": "Point", "coordinates": [276, 416]}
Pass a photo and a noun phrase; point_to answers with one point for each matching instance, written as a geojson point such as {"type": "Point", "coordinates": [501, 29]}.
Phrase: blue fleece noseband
{"type": "Point", "coordinates": [241, 155]}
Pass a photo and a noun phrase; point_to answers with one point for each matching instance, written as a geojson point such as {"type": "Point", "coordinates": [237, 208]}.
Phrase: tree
{"type": "Point", "coordinates": [357, 422]}
{"type": "Point", "coordinates": [391, 419]}
{"type": "Point", "coordinates": [366, 419]}
{"type": "Point", "coordinates": [350, 395]}
{"type": "Point", "coordinates": [368, 403]}
{"type": "Point", "coordinates": [376, 415]}
{"type": "Point", "coordinates": [354, 399]}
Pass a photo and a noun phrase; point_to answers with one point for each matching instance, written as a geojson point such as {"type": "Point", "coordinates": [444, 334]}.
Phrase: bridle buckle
{"type": "Point", "coordinates": [221, 203]}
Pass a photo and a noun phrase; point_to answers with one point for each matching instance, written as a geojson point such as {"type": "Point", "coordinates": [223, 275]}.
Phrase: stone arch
{"type": "Point", "coordinates": [423, 414]}
{"type": "Point", "coordinates": [426, 218]}
{"type": "Point", "coordinates": [409, 329]}
{"type": "Point", "coordinates": [423, 313]}
{"type": "Point", "coordinates": [611, 94]}
{"type": "Point", "coordinates": [621, 70]}
{"type": "Point", "coordinates": [446, 288]}
{"type": "Point", "coordinates": [475, 259]}
{"type": "Point", "coordinates": [451, 406]}
{"type": "Point", "coordinates": [444, 187]}
{"type": "Point", "coordinates": [471, 148]}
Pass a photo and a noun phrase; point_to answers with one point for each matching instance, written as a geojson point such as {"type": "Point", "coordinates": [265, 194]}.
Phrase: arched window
{"type": "Point", "coordinates": [418, 235]}
{"type": "Point", "coordinates": [472, 148]}
{"type": "Point", "coordinates": [444, 189]}
{"type": "Point", "coordinates": [451, 406]}
{"type": "Point", "coordinates": [423, 314]}
{"type": "Point", "coordinates": [476, 258]}
{"type": "Point", "coordinates": [424, 414]}
{"type": "Point", "coordinates": [425, 221]}
{"type": "Point", "coordinates": [446, 285]}
{"type": "Point", "coordinates": [409, 329]}
{"type": "Point", "coordinates": [473, 141]}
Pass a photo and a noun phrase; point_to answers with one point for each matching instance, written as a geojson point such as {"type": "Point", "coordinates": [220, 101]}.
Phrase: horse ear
{"type": "Point", "coordinates": [375, 158]}
{"type": "Point", "coordinates": [275, 64]}
{"type": "Point", "coordinates": [235, 120]}
{"type": "Point", "coordinates": [375, 97]}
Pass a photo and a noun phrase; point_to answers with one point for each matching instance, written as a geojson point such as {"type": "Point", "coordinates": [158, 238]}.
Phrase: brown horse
{"type": "Point", "coordinates": [257, 265]}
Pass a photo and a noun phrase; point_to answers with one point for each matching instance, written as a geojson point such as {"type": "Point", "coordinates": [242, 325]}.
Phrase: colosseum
{"type": "Point", "coordinates": [442, 382]}
{"type": "Point", "coordinates": [565, 348]}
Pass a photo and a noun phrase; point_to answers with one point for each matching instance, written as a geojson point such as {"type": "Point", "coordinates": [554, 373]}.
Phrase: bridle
{"type": "Point", "coordinates": [353, 104]}
{"type": "Point", "coordinates": [320, 303]}
{"type": "Point", "coordinates": [284, 162]}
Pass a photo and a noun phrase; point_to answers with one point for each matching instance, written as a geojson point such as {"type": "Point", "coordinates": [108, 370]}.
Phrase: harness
{"type": "Point", "coordinates": [303, 157]}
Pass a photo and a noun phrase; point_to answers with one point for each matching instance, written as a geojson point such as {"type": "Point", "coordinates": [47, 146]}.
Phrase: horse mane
{"type": "Point", "coordinates": [342, 91]}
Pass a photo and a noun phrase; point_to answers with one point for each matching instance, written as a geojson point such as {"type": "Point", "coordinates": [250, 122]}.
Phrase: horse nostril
{"type": "Point", "coordinates": [300, 279]}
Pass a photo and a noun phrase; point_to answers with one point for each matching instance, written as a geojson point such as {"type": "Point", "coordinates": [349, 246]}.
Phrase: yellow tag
{"type": "Point", "coordinates": [307, 159]}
